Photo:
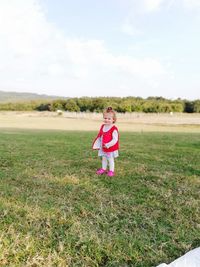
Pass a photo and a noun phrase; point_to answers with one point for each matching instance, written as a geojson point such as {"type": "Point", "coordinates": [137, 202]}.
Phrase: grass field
{"type": "Point", "coordinates": [54, 210]}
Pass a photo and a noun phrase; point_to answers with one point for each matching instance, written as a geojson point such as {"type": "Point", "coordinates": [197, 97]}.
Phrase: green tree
{"type": "Point", "coordinates": [125, 106]}
{"type": "Point", "coordinates": [197, 106]}
{"type": "Point", "coordinates": [189, 107]}
{"type": "Point", "coordinates": [71, 105]}
{"type": "Point", "coordinates": [98, 104]}
{"type": "Point", "coordinates": [84, 103]}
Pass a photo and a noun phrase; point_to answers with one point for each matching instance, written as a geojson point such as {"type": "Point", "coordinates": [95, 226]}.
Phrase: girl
{"type": "Point", "coordinates": [107, 142]}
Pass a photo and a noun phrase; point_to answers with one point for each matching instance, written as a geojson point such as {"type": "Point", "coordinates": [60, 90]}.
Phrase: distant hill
{"type": "Point", "coordinates": [18, 97]}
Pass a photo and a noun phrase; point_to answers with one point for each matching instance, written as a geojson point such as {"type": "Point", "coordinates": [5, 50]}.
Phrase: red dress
{"type": "Point", "coordinates": [105, 137]}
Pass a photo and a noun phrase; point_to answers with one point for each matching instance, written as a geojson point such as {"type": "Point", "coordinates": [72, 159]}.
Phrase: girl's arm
{"type": "Point", "coordinates": [114, 140]}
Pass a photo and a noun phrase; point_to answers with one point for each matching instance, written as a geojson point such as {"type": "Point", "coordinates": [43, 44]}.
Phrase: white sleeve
{"type": "Point", "coordinates": [190, 259]}
{"type": "Point", "coordinates": [114, 140]}
{"type": "Point", "coordinates": [97, 144]}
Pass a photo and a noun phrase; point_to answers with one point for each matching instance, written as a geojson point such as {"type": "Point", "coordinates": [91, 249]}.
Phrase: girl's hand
{"type": "Point", "coordinates": [105, 146]}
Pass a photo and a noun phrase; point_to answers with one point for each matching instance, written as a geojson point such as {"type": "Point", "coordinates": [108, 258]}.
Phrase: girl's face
{"type": "Point", "coordinates": [108, 118]}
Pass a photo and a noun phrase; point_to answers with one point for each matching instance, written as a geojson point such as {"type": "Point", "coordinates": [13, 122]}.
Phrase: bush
{"type": "Point", "coordinates": [98, 104]}
{"type": "Point", "coordinates": [71, 106]}
{"type": "Point", "coordinates": [197, 106]}
{"type": "Point", "coordinates": [44, 107]}
{"type": "Point", "coordinates": [189, 107]}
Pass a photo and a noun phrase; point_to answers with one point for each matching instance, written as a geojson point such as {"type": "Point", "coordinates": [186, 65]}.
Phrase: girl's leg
{"type": "Point", "coordinates": [111, 164]}
{"type": "Point", "coordinates": [104, 163]}
{"type": "Point", "coordinates": [104, 166]}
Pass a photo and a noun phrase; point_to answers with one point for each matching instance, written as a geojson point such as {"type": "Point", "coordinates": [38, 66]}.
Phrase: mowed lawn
{"type": "Point", "coordinates": [54, 210]}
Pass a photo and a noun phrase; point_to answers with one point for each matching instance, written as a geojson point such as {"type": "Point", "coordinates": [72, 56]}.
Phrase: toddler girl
{"type": "Point", "coordinates": [107, 142]}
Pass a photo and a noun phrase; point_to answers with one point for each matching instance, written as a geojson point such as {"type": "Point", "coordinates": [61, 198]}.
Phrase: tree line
{"type": "Point", "coordinates": [97, 104]}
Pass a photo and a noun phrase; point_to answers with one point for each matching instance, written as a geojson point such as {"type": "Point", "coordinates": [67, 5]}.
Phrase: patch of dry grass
{"type": "Point", "coordinates": [88, 122]}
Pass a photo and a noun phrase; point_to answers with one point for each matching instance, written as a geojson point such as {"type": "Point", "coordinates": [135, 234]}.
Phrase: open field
{"type": "Point", "coordinates": [134, 122]}
{"type": "Point", "coordinates": [54, 210]}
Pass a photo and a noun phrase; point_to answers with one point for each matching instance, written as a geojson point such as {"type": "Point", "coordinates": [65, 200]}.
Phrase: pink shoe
{"type": "Point", "coordinates": [100, 171]}
{"type": "Point", "coordinates": [110, 174]}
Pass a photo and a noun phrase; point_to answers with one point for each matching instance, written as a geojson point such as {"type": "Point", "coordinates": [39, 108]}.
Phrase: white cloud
{"type": "Point", "coordinates": [191, 3]}
{"type": "Point", "coordinates": [152, 5]}
{"type": "Point", "coordinates": [93, 56]}
{"type": "Point", "coordinates": [35, 55]}
{"type": "Point", "coordinates": [128, 28]}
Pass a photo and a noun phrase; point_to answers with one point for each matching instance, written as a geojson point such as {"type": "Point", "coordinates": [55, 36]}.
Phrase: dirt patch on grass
{"type": "Point", "coordinates": [91, 121]}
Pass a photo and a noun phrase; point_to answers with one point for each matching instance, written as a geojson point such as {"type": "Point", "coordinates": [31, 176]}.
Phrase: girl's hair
{"type": "Point", "coordinates": [109, 110]}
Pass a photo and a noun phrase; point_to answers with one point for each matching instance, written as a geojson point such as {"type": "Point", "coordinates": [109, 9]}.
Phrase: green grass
{"type": "Point", "coordinates": [54, 210]}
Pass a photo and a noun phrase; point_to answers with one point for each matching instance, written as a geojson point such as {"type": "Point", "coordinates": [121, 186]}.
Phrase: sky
{"type": "Point", "coordinates": [101, 47]}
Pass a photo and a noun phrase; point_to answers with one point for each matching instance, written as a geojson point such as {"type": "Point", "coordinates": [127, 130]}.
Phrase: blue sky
{"type": "Point", "coordinates": [101, 48]}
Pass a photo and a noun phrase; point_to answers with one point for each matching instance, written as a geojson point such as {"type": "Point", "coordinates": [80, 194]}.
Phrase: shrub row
{"type": "Point", "coordinates": [97, 104]}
